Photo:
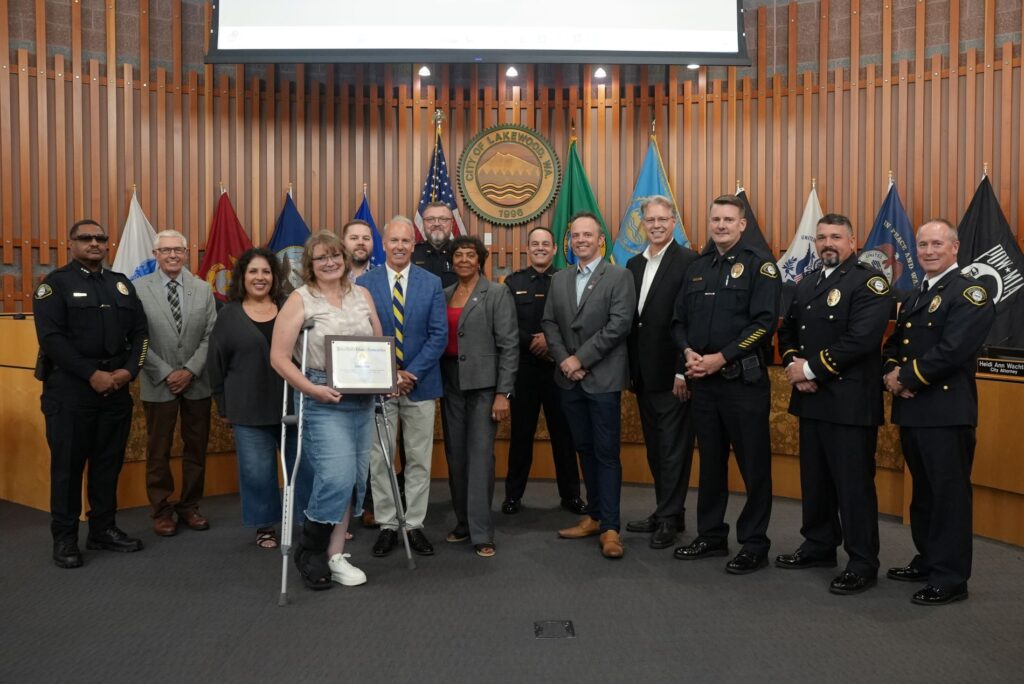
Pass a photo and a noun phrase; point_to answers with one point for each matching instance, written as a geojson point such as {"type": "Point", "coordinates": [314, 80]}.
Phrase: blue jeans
{"type": "Point", "coordinates": [595, 422]}
{"type": "Point", "coordinates": [256, 449]}
{"type": "Point", "coordinates": [336, 442]}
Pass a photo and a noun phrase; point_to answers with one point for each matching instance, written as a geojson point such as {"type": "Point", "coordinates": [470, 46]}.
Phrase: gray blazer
{"type": "Point", "coordinates": [488, 338]}
{"type": "Point", "coordinates": [170, 350]}
{"type": "Point", "coordinates": [595, 331]}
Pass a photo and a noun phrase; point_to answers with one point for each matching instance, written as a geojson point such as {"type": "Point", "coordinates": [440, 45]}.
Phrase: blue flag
{"type": "Point", "coordinates": [632, 239]}
{"type": "Point", "coordinates": [290, 235]}
{"type": "Point", "coordinates": [363, 214]}
{"type": "Point", "coordinates": [437, 187]}
{"type": "Point", "coordinates": [891, 247]}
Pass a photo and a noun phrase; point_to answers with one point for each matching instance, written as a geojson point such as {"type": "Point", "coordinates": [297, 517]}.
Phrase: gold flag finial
{"type": "Point", "coordinates": [984, 169]}
{"type": "Point", "coordinates": [653, 123]}
{"type": "Point", "coordinates": [814, 184]}
{"type": "Point", "coordinates": [892, 178]}
{"type": "Point", "coordinates": [364, 189]}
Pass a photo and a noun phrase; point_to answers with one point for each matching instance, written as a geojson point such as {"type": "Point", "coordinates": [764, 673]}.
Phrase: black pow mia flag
{"type": "Point", "coordinates": [989, 252]}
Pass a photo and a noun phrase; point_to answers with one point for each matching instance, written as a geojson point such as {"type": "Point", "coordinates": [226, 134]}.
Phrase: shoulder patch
{"type": "Point", "coordinates": [878, 284]}
{"type": "Point", "coordinates": [975, 294]}
{"type": "Point", "coordinates": [43, 291]}
{"type": "Point", "coordinates": [769, 269]}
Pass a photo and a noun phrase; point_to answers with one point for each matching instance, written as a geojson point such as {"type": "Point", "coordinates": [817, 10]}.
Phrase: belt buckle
{"type": "Point", "coordinates": [730, 371]}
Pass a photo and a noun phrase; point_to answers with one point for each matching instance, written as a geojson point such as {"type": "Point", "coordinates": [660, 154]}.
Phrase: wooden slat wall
{"type": "Point", "coordinates": [75, 138]}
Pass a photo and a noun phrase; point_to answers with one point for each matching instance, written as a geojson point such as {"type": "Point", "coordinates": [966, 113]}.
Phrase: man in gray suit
{"type": "Point", "coordinates": [587, 320]}
{"type": "Point", "coordinates": [181, 314]}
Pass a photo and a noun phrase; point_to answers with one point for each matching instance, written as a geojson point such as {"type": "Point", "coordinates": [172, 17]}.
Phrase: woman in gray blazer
{"type": "Point", "coordinates": [479, 371]}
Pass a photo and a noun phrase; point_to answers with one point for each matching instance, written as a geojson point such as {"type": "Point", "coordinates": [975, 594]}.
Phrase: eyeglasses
{"type": "Point", "coordinates": [164, 251]}
{"type": "Point", "coordinates": [337, 257]}
{"type": "Point", "coordinates": [102, 239]}
{"type": "Point", "coordinates": [658, 220]}
{"type": "Point", "coordinates": [435, 220]}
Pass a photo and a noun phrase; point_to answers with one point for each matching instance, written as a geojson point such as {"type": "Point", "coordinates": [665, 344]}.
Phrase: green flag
{"type": "Point", "coordinates": [576, 196]}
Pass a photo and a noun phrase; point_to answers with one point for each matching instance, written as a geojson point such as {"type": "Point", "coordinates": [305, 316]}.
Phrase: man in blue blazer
{"type": "Point", "coordinates": [411, 307]}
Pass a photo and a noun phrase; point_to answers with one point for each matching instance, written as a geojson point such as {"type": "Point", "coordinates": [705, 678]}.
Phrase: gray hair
{"type": "Point", "coordinates": [657, 199]}
{"type": "Point", "coordinates": [399, 219]}
{"type": "Point", "coordinates": [951, 232]}
{"type": "Point", "coordinates": [170, 233]}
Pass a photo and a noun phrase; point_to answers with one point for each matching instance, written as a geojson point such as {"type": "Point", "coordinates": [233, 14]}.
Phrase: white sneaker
{"type": "Point", "coordinates": [345, 573]}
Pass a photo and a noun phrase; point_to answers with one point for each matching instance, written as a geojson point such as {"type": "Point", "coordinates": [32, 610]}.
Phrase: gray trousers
{"type": "Point", "coordinates": [469, 445]}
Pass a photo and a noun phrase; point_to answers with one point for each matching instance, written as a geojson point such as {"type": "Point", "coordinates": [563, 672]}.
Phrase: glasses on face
{"type": "Point", "coordinates": [337, 258]}
{"type": "Point", "coordinates": [166, 251]}
{"type": "Point", "coordinates": [658, 220]}
{"type": "Point", "coordinates": [102, 239]}
{"type": "Point", "coordinates": [437, 220]}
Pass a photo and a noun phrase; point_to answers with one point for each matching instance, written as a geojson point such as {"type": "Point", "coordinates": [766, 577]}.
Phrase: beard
{"type": "Point", "coordinates": [437, 238]}
{"type": "Point", "coordinates": [360, 261]}
{"type": "Point", "coordinates": [830, 258]}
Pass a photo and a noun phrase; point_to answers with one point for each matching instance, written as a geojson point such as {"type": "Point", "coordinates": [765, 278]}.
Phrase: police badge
{"type": "Point", "coordinates": [834, 295]}
{"type": "Point", "coordinates": [123, 289]}
{"type": "Point", "coordinates": [934, 305]}
{"type": "Point", "coordinates": [737, 271]}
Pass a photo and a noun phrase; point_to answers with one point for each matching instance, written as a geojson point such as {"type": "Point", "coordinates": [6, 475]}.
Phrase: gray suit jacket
{"type": "Point", "coordinates": [488, 338]}
{"type": "Point", "coordinates": [595, 331]}
{"type": "Point", "coordinates": [170, 350]}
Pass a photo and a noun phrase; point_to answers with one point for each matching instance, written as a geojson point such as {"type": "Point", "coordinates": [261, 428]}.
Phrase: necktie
{"type": "Point", "coordinates": [920, 295]}
{"type": "Point", "coordinates": [172, 299]}
{"type": "Point", "coordinates": [398, 310]}
{"type": "Point", "coordinates": [821, 277]}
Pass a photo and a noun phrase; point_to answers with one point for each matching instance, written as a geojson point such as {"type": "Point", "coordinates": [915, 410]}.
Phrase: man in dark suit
{"type": "Point", "coordinates": [656, 370]}
{"type": "Point", "coordinates": [435, 253]}
{"type": "Point", "coordinates": [929, 367]}
{"type": "Point", "coordinates": [586, 321]}
{"type": "Point", "coordinates": [832, 350]}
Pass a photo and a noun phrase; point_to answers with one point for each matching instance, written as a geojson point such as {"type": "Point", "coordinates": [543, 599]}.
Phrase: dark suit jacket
{"type": "Point", "coordinates": [596, 330]}
{"type": "Point", "coordinates": [654, 358]}
{"type": "Point", "coordinates": [488, 338]}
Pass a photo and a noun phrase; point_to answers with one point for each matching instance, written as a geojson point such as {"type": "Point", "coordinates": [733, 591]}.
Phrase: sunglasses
{"type": "Point", "coordinates": [102, 239]}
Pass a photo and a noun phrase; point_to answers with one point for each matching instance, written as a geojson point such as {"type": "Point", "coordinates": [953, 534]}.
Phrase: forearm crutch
{"type": "Point", "coordinates": [383, 423]}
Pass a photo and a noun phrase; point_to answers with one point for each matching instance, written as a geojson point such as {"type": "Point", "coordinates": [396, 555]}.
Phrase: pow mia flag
{"type": "Point", "coordinates": [989, 253]}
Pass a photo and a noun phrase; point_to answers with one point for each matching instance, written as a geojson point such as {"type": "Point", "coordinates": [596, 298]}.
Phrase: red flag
{"type": "Point", "coordinates": [226, 242]}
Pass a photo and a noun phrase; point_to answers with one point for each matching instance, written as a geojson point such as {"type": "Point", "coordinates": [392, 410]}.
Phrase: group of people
{"type": "Point", "coordinates": [689, 334]}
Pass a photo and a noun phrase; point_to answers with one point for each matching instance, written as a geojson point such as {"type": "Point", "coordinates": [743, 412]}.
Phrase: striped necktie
{"type": "Point", "coordinates": [172, 299]}
{"type": "Point", "coordinates": [398, 309]}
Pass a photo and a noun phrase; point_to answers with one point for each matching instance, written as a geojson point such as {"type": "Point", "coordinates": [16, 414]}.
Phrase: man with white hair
{"type": "Point", "coordinates": [181, 313]}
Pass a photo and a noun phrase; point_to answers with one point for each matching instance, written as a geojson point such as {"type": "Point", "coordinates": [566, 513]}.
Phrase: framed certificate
{"type": "Point", "coordinates": [361, 365]}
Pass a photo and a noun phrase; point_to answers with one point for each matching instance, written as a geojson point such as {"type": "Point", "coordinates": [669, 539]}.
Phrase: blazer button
{"type": "Point", "coordinates": [904, 359]}
{"type": "Point", "coordinates": [462, 357]}
{"type": "Point", "coordinates": [906, 341]}
{"type": "Point", "coordinates": [640, 324]}
{"type": "Point", "coordinates": [908, 324]}
{"type": "Point", "coordinates": [945, 388]}
{"type": "Point", "coordinates": [462, 334]}
{"type": "Point", "coordinates": [803, 327]}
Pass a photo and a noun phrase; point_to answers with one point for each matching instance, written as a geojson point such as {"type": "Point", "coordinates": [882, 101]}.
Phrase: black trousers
{"type": "Point", "coordinates": [941, 522]}
{"type": "Point", "coordinates": [837, 481]}
{"type": "Point", "coordinates": [730, 412]}
{"type": "Point", "coordinates": [535, 387]}
{"type": "Point", "coordinates": [83, 427]}
{"type": "Point", "coordinates": [668, 436]}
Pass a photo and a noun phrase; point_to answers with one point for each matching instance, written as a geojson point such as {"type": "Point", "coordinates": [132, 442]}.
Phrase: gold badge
{"type": "Point", "coordinates": [737, 271]}
{"type": "Point", "coordinates": [123, 289]}
{"type": "Point", "coordinates": [834, 295]}
{"type": "Point", "coordinates": [934, 305]}
{"type": "Point", "coordinates": [878, 285]}
{"type": "Point", "coordinates": [43, 291]}
{"type": "Point", "coordinates": [976, 295]}
{"type": "Point", "coordinates": [768, 269]}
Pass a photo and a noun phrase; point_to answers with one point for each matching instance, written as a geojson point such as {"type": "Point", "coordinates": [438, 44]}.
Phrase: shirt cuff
{"type": "Point", "coordinates": [808, 373]}
{"type": "Point", "coordinates": [680, 376]}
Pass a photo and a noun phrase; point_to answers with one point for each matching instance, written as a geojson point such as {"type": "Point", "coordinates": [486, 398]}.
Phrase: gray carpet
{"type": "Point", "coordinates": [202, 607]}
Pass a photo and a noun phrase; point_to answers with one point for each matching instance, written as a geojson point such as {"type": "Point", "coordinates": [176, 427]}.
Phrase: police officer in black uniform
{"type": "Point", "coordinates": [929, 367]}
{"type": "Point", "coordinates": [435, 254]}
{"type": "Point", "coordinates": [535, 384]}
{"type": "Point", "coordinates": [92, 343]}
{"type": "Point", "coordinates": [724, 320]}
{"type": "Point", "coordinates": [832, 350]}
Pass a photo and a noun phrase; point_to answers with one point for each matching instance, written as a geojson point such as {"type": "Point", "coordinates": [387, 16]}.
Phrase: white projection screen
{"type": "Point", "coordinates": [398, 31]}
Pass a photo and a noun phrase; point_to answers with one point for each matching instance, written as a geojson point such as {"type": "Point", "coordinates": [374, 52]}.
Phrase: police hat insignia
{"type": "Point", "coordinates": [736, 271]}
{"type": "Point", "coordinates": [768, 269]}
{"type": "Point", "coordinates": [123, 289]}
{"type": "Point", "coordinates": [43, 291]}
{"type": "Point", "coordinates": [934, 305]}
{"type": "Point", "coordinates": [976, 295]}
{"type": "Point", "coordinates": [834, 295]}
{"type": "Point", "coordinates": [878, 285]}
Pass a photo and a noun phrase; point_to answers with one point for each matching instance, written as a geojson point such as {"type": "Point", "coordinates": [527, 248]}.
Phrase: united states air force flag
{"type": "Point", "coordinates": [802, 257]}
{"type": "Point", "coordinates": [632, 238]}
{"type": "Point", "coordinates": [290, 235]}
{"type": "Point", "coordinates": [891, 247]}
{"type": "Point", "coordinates": [134, 256]}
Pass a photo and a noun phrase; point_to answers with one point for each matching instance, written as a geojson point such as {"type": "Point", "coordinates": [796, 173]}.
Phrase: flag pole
{"type": "Point", "coordinates": [220, 184]}
{"type": "Point", "coordinates": [290, 189]}
{"type": "Point", "coordinates": [438, 118]}
{"type": "Point", "coordinates": [984, 170]}
{"type": "Point", "coordinates": [739, 186]}
{"type": "Point", "coordinates": [364, 190]}
{"type": "Point", "coordinates": [814, 184]}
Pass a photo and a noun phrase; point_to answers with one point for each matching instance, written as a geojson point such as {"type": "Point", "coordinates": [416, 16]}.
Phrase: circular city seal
{"type": "Point", "coordinates": [508, 174]}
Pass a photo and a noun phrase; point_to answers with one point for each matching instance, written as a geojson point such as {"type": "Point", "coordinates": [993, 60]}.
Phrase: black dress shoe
{"type": "Point", "coordinates": [745, 563]}
{"type": "Point", "coordinates": [907, 574]}
{"type": "Point", "coordinates": [574, 505]}
{"type": "Point", "coordinates": [851, 583]}
{"type": "Point", "coordinates": [645, 526]}
{"type": "Point", "coordinates": [112, 539]}
{"type": "Point", "coordinates": [66, 554]}
{"type": "Point", "coordinates": [934, 596]}
{"type": "Point", "coordinates": [385, 542]}
{"type": "Point", "coordinates": [700, 549]}
{"type": "Point", "coordinates": [798, 560]}
{"type": "Point", "coordinates": [419, 544]}
{"type": "Point", "coordinates": [510, 506]}
{"type": "Point", "coordinates": [664, 536]}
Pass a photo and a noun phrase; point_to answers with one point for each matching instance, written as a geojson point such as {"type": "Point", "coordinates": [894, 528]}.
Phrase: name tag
{"type": "Point", "coordinates": [519, 292]}
{"type": "Point", "coordinates": [79, 294]}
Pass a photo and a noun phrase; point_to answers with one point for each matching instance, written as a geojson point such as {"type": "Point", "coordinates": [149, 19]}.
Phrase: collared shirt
{"type": "Point", "coordinates": [583, 273]}
{"type": "Point", "coordinates": [650, 270]}
{"type": "Point", "coordinates": [166, 279]}
{"type": "Point", "coordinates": [931, 280]}
{"type": "Point", "coordinates": [405, 278]}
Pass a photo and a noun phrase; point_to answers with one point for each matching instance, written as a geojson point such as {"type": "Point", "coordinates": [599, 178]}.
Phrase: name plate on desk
{"type": "Point", "coordinates": [1004, 368]}
{"type": "Point", "coordinates": [361, 365]}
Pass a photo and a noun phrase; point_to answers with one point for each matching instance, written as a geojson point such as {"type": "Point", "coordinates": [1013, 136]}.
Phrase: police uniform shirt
{"type": "Point", "coordinates": [438, 261]}
{"type": "Point", "coordinates": [529, 290]}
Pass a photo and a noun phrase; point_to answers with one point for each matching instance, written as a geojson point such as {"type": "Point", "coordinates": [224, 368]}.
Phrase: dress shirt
{"type": "Point", "coordinates": [650, 270]}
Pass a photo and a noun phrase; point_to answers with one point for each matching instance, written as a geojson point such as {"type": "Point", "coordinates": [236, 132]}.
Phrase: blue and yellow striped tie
{"type": "Point", "coordinates": [398, 309]}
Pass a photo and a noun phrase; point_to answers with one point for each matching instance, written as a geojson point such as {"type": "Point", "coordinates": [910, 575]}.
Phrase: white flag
{"type": "Point", "coordinates": [135, 253]}
{"type": "Point", "coordinates": [802, 257]}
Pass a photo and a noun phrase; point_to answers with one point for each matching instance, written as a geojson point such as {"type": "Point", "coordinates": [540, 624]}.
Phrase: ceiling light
{"type": "Point", "coordinates": [511, 72]}
{"type": "Point", "coordinates": [693, 67]}
{"type": "Point", "coordinates": [599, 72]}
{"type": "Point", "coordinates": [424, 71]}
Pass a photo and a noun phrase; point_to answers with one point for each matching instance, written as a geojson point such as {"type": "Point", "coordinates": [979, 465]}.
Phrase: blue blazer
{"type": "Point", "coordinates": [426, 324]}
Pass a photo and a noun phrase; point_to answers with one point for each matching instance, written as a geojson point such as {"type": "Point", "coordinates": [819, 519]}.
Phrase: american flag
{"type": "Point", "coordinates": [438, 188]}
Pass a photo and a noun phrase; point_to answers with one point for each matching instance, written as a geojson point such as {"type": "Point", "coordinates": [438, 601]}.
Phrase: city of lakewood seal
{"type": "Point", "coordinates": [508, 174]}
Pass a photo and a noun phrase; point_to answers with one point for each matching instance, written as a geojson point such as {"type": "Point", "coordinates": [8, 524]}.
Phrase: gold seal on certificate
{"type": "Point", "coordinates": [361, 365]}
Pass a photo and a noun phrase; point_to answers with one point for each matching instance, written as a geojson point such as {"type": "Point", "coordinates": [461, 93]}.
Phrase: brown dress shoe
{"type": "Point", "coordinates": [369, 520]}
{"type": "Point", "coordinates": [193, 520]}
{"type": "Point", "coordinates": [586, 527]}
{"type": "Point", "coordinates": [611, 544]}
{"type": "Point", "coordinates": [165, 526]}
